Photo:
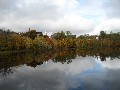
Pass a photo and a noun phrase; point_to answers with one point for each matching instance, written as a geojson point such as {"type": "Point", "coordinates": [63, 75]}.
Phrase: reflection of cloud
{"type": "Point", "coordinates": [109, 81]}
{"type": "Point", "coordinates": [111, 64]}
{"type": "Point", "coordinates": [77, 75]}
{"type": "Point", "coordinates": [77, 66]}
{"type": "Point", "coordinates": [50, 76]}
{"type": "Point", "coordinates": [35, 80]}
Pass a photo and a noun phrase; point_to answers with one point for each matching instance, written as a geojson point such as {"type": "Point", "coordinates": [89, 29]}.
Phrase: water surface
{"type": "Point", "coordinates": [62, 70]}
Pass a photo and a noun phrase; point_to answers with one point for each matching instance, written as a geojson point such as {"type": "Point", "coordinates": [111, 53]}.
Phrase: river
{"type": "Point", "coordinates": [61, 70]}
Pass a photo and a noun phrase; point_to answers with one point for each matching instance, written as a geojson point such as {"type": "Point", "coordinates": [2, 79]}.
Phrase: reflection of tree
{"type": "Point", "coordinates": [103, 53]}
{"type": "Point", "coordinates": [64, 56]}
{"type": "Point", "coordinates": [34, 64]}
{"type": "Point", "coordinates": [102, 57]}
{"type": "Point", "coordinates": [30, 58]}
{"type": "Point", "coordinates": [6, 71]}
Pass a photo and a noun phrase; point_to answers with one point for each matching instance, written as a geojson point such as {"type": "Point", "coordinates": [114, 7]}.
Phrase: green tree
{"type": "Point", "coordinates": [102, 35]}
{"type": "Point", "coordinates": [62, 34]}
{"type": "Point", "coordinates": [28, 43]}
{"type": "Point", "coordinates": [18, 42]}
{"type": "Point", "coordinates": [68, 33]}
{"type": "Point", "coordinates": [31, 34]}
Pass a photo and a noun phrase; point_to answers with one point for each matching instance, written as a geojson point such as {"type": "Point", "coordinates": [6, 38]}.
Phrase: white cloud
{"type": "Point", "coordinates": [78, 16]}
{"type": "Point", "coordinates": [72, 22]}
{"type": "Point", "coordinates": [108, 25]}
{"type": "Point", "coordinates": [50, 15]}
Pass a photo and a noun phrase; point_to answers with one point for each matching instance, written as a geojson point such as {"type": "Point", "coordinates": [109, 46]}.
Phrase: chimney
{"type": "Point", "coordinates": [29, 29]}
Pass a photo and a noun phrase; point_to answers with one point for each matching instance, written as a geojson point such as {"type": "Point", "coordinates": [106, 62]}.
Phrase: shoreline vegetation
{"type": "Point", "coordinates": [35, 41]}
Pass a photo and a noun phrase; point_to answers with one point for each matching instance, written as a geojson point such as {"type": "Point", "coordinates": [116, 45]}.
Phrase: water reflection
{"type": "Point", "coordinates": [63, 56]}
{"type": "Point", "coordinates": [61, 70]}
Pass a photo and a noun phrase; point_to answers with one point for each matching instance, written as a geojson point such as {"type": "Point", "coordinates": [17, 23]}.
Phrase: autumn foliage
{"type": "Point", "coordinates": [61, 40]}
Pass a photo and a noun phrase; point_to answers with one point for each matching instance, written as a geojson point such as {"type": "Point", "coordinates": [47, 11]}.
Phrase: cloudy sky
{"type": "Point", "coordinates": [77, 16]}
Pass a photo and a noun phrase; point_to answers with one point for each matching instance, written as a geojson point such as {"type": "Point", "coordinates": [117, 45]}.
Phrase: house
{"type": "Point", "coordinates": [39, 34]}
{"type": "Point", "coordinates": [72, 36]}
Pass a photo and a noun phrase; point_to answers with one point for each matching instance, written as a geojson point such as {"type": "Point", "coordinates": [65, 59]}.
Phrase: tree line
{"type": "Point", "coordinates": [32, 40]}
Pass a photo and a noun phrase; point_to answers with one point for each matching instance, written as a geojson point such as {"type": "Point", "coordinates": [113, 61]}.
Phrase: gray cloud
{"type": "Point", "coordinates": [112, 8]}
{"type": "Point", "coordinates": [6, 8]}
{"type": "Point", "coordinates": [80, 17]}
{"type": "Point", "coordinates": [50, 15]}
